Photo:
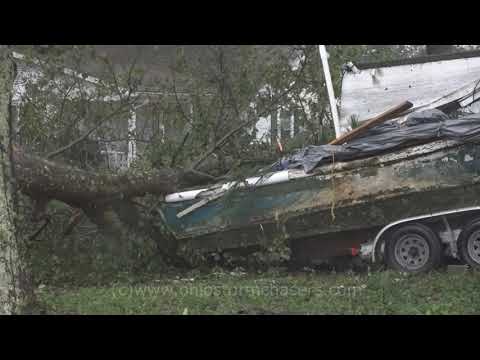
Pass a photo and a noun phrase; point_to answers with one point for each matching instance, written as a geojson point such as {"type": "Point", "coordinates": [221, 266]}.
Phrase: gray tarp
{"type": "Point", "coordinates": [424, 126]}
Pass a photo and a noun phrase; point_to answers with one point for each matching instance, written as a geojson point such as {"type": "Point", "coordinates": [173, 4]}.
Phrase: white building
{"type": "Point", "coordinates": [447, 82]}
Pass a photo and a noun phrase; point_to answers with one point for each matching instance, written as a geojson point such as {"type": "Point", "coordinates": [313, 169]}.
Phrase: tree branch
{"type": "Point", "coordinates": [86, 135]}
{"type": "Point", "coordinates": [232, 132]}
{"type": "Point", "coordinates": [36, 233]}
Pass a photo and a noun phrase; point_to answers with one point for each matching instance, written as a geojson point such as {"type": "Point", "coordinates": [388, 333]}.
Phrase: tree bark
{"type": "Point", "coordinates": [41, 178]}
{"type": "Point", "coordinates": [10, 296]}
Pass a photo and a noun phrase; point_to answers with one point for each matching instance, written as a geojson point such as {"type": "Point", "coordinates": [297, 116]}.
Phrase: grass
{"type": "Point", "coordinates": [275, 293]}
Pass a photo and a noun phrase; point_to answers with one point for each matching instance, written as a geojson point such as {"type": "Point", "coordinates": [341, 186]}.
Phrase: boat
{"type": "Point", "coordinates": [338, 206]}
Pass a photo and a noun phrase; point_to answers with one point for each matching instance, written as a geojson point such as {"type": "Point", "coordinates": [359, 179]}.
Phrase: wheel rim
{"type": "Point", "coordinates": [473, 246]}
{"type": "Point", "coordinates": [412, 251]}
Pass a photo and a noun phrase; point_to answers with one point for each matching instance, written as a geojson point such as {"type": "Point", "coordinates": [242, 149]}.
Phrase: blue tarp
{"type": "Point", "coordinates": [424, 126]}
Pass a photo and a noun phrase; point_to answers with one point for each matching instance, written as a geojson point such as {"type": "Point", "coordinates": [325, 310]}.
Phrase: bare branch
{"type": "Point", "coordinates": [179, 149]}
{"type": "Point", "coordinates": [84, 136]}
{"type": "Point", "coordinates": [36, 233]}
{"type": "Point", "coordinates": [232, 132]}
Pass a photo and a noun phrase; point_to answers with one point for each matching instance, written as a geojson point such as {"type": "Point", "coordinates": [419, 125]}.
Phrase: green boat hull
{"type": "Point", "coordinates": [354, 198]}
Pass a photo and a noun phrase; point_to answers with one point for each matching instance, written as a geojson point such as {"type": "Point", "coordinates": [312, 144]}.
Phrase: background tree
{"type": "Point", "coordinates": [15, 292]}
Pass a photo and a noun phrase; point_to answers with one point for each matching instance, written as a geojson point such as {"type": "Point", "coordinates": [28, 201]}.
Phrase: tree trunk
{"type": "Point", "coordinates": [9, 257]}
{"type": "Point", "coordinates": [106, 199]}
{"type": "Point", "coordinates": [40, 178]}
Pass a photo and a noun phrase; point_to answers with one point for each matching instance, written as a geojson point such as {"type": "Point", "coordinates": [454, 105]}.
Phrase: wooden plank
{"type": "Point", "coordinates": [198, 205]}
{"type": "Point", "coordinates": [387, 115]}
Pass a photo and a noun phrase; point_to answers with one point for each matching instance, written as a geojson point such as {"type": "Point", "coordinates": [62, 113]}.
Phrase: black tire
{"type": "Point", "coordinates": [469, 244]}
{"type": "Point", "coordinates": [413, 248]}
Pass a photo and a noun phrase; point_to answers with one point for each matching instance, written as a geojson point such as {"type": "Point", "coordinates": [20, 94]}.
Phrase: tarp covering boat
{"type": "Point", "coordinates": [423, 126]}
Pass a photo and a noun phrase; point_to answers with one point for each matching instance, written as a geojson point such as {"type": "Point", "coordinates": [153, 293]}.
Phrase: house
{"type": "Point", "coordinates": [447, 81]}
{"type": "Point", "coordinates": [156, 60]}
{"type": "Point", "coordinates": [443, 80]}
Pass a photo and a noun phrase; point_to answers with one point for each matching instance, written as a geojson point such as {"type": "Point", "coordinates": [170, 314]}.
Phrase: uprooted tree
{"type": "Point", "coordinates": [196, 127]}
{"type": "Point", "coordinates": [58, 118]}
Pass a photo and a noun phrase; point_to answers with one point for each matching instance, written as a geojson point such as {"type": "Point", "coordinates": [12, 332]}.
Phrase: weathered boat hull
{"type": "Point", "coordinates": [336, 202]}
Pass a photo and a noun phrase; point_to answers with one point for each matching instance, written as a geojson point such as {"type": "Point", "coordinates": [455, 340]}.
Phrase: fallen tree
{"type": "Point", "coordinates": [41, 178]}
{"type": "Point", "coordinates": [107, 199]}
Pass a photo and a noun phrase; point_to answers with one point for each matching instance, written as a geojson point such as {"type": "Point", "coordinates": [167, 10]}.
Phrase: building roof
{"type": "Point", "coordinates": [419, 60]}
{"type": "Point", "coordinates": [155, 60]}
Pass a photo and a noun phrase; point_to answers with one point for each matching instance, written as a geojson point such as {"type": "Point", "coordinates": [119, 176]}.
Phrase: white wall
{"type": "Point", "coordinates": [372, 91]}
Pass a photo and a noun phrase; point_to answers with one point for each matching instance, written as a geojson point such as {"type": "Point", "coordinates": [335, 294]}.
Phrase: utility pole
{"type": "Point", "coordinates": [331, 94]}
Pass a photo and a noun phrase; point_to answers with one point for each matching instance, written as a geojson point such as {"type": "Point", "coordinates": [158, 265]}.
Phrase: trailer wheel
{"type": "Point", "coordinates": [469, 244]}
{"type": "Point", "coordinates": [413, 248]}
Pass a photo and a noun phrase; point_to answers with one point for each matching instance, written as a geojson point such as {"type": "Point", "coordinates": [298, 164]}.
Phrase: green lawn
{"type": "Point", "coordinates": [275, 293]}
